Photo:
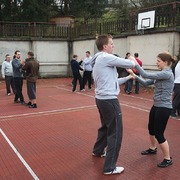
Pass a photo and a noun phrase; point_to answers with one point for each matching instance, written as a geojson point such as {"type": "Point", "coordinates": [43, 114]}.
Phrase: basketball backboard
{"type": "Point", "coordinates": [146, 20]}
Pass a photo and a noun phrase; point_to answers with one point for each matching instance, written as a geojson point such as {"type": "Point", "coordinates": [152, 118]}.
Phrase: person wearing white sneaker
{"type": "Point", "coordinates": [7, 74]}
{"type": "Point", "coordinates": [107, 89]}
{"type": "Point", "coordinates": [117, 170]}
{"type": "Point", "coordinates": [87, 74]}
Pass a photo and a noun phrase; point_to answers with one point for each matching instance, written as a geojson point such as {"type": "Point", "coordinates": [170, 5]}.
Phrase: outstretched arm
{"type": "Point", "coordinates": [124, 79]}
{"type": "Point", "coordinates": [144, 82]}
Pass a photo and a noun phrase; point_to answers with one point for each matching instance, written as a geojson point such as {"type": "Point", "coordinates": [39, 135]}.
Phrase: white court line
{"type": "Point", "coordinates": [72, 109]}
{"type": "Point", "coordinates": [2, 118]}
{"type": "Point", "coordinates": [135, 107]}
{"type": "Point", "coordinates": [19, 156]}
{"type": "Point", "coordinates": [122, 103]}
{"type": "Point", "coordinates": [137, 97]}
{"type": "Point", "coordinates": [127, 104]}
{"type": "Point", "coordinates": [47, 112]}
{"type": "Point", "coordinates": [64, 110]}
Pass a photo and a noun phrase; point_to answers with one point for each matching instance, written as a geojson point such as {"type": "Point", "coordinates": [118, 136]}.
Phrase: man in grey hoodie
{"type": "Point", "coordinates": [106, 91]}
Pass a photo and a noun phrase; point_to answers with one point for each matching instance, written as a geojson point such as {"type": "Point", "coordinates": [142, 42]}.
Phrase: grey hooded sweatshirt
{"type": "Point", "coordinates": [105, 74]}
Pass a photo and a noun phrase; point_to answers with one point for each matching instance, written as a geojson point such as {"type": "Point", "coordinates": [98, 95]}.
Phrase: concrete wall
{"type": "Point", "coordinates": [54, 55]}
{"type": "Point", "coordinates": [80, 47]}
{"type": "Point", "coordinates": [148, 46]}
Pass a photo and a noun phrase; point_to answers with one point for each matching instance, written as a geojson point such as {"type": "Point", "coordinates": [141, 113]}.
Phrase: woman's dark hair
{"type": "Point", "coordinates": [166, 57]}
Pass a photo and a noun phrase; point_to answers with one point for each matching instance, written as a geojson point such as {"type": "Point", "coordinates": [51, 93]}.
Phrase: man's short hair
{"type": "Point", "coordinates": [136, 54]}
{"type": "Point", "coordinates": [75, 56]}
{"type": "Point", "coordinates": [102, 40]}
{"type": "Point", "coordinates": [30, 54]}
{"type": "Point", "coordinates": [16, 51]}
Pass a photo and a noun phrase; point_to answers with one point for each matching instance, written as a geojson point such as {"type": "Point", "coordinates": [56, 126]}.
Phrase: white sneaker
{"type": "Point", "coordinates": [9, 94]}
{"type": "Point", "coordinates": [82, 90]}
{"type": "Point", "coordinates": [117, 170]}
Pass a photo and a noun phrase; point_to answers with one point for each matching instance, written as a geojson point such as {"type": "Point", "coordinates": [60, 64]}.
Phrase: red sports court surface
{"type": "Point", "coordinates": [55, 141]}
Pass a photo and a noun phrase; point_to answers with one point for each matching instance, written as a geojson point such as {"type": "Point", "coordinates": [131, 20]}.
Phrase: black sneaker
{"type": "Point", "coordinates": [174, 115]}
{"type": "Point", "coordinates": [29, 103]}
{"type": "Point", "coordinates": [100, 155]}
{"type": "Point", "coordinates": [165, 163]}
{"type": "Point", "coordinates": [16, 101]}
{"type": "Point", "coordinates": [23, 103]}
{"type": "Point", "coordinates": [33, 106]}
{"type": "Point", "coordinates": [149, 151]}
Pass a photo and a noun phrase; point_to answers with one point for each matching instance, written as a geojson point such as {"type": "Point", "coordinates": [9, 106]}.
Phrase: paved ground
{"type": "Point", "coordinates": [55, 141]}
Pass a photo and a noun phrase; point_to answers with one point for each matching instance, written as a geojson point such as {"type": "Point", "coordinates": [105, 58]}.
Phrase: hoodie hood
{"type": "Point", "coordinates": [93, 60]}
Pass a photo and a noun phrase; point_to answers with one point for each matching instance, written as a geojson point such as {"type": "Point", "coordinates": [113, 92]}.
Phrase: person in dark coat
{"type": "Point", "coordinates": [76, 74]}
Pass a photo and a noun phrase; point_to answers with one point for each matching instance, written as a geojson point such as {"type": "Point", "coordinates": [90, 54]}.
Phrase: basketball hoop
{"type": "Point", "coordinates": [145, 21]}
{"type": "Point", "coordinates": [139, 31]}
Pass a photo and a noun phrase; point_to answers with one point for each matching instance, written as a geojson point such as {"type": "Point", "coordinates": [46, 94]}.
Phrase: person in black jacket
{"type": "Point", "coordinates": [76, 74]}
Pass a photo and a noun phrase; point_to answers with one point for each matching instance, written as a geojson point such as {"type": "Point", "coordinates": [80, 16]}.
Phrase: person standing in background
{"type": "Point", "coordinates": [31, 67]}
{"type": "Point", "coordinates": [7, 74]}
{"type": "Point", "coordinates": [136, 56]}
{"type": "Point", "coordinates": [128, 84]}
{"type": "Point", "coordinates": [176, 91]}
{"type": "Point", "coordinates": [76, 74]}
{"type": "Point", "coordinates": [87, 75]}
{"type": "Point", "coordinates": [18, 77]}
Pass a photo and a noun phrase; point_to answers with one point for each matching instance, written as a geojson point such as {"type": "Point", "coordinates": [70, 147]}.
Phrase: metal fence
{"type": "Point", "coordinates": [167, 15]}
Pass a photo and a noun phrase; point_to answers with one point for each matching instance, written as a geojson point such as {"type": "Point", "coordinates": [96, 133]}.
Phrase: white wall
{"type": "Point", "coordinates": [80, 48]}
{"type": "Point", "coordinates": [149, 46]}
{"type": "Point", "coordinates": [54, 55]}
{"type": "Point", "coordinates": [9, 47]}
{"type": "Point", "coordinates": [121, 46]}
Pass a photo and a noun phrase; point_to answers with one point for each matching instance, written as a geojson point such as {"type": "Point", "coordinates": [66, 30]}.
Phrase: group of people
{"type": "Point", "coordinates": [103, 65]}
{"type": "Point", "coordinates": [87, 72]}
{"type": "Point", "coordinates": [129, 84]}
{"type": "Point", "coordinates": [109, 137]}
{"type": "Point", "coordinates": [13, 72]}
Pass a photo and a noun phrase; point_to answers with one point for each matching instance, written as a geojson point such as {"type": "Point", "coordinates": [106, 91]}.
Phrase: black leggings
{"type": "Point", "coordinates": [158, 119]}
